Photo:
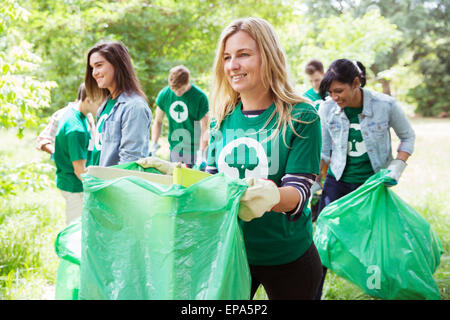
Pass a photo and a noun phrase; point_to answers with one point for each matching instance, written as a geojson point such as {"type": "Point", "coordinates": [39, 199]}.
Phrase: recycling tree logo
{"type": "Point", "coordinates": [356, 146]}
{"type": "Point", "coordinates": [98, 135]}
{"type": "Point", "coordinates": [178, 111]}
{"type": "Point", "coordinates": [244, 158]}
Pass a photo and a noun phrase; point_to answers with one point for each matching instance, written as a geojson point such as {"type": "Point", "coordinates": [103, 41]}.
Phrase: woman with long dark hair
{"type": "Point", "coordinates": [356, 139]}
{"type": "Point", "coordinates": [123, 119]}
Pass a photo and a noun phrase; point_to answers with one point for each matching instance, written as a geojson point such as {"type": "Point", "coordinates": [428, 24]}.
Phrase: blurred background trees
{"type": "Point", "coordinates": [403, 44]}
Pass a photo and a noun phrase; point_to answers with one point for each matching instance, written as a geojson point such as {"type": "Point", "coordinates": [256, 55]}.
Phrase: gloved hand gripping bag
{"type": "Point", "coordinates": [377, 241]}
{"type": "Point", "coordinates": [144, 240]}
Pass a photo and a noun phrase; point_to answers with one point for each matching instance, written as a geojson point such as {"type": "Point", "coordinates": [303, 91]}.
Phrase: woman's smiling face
{"type": "Point", "coordinates": [242, 63]}
{"type": "Point", "coordinates": [102, 72]}
{"type": "Point", "coordinates": [344, 94]}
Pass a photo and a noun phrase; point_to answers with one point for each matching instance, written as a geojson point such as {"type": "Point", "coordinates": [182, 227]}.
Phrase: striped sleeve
{"type": "Point", "coordinates": [302, 182]}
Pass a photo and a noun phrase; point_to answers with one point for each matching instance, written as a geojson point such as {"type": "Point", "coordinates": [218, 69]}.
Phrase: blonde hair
{"type": "Point", "coordinates": [274, 75]}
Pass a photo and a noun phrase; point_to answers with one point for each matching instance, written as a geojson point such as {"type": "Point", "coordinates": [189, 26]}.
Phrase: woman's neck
{"type": "Point", "coordinates": [256, 101]}
{"type": "Point", "coordinates": [358, 100]}
{"type": "Point", "coordinates": [114, 93]}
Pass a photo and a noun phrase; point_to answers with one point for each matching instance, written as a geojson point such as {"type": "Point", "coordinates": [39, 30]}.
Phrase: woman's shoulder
{"type": "Point", "coordinates": [304, 111]}
{"type": "Point", "coordinates": [133, 100]}
{"type": "Point", "coordinates": [379, 96]}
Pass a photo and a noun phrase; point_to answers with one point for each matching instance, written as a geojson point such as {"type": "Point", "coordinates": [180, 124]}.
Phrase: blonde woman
{"type": "Point", "coordinates": [265, 133]}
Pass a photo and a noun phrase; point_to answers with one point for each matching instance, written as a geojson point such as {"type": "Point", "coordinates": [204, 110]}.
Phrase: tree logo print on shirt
{"type": "Point", "coordinates": [244, 158]}
{"type": "Point", "coordinates": [356, 145]}
{"type": "Point", "coordinates": [178, 111]}
{"type": "Point", "coordinates": [98, 139]}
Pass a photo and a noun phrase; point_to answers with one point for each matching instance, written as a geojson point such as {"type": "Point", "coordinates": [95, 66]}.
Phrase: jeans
{"type": "Point", "coordinates": [332, 190]}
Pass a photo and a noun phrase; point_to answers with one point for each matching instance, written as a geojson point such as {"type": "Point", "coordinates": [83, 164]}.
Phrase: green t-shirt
{"type": "Point", "coordinates": [358, 167]}
{"type": "Point", "coordinates": [98, 131]}
{"type": "Point", "coordinates": [183, 114]}
{"type": "Point", "coordinates": [71, 144]}
{"type": "Point", "coordinates": [240, 149]}
{"type": "Point", "coordinates": [314, 97]}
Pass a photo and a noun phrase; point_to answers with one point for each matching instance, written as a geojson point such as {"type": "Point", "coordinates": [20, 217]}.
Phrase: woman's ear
{"type": "Point", "coordinates": [356, 83]}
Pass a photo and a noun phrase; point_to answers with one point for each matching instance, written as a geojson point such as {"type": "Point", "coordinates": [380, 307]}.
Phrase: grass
{"type": "Point", "coordinates": [30, 221]}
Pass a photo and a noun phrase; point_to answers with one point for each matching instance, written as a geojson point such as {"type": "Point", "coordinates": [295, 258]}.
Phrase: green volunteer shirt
{"type": "Point", "coordinates": [98, 132]}
{"type": "Point", "coordinates": [71, 144]}
{"type": "Point", "coordinates": [240, 149]}
{"type": "Point", "coordinates": [358, 167]}
{"type": "Point", "coordinates": [183, 114]}
{"type": "Point", "coordinates": [314, 97]}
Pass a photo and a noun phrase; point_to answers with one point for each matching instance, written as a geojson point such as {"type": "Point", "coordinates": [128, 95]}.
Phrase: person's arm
{"type": "Point", "coordinates": [135, 131]}
{"type": "Point", "coordinates": [46, 139]}
{"type": "Point", "coordinates": [323, 171]}
{"type": "Point", "coordinates": [204, 140]}
{"type": "Point", "coordinates": [325, 153]}
{"type": "Point", "coordinates": [48, 147]}
{"type": "Point", "coordinates": [290, 204]}
{"type": "Point", "coordinates": [404, 131]}
{"type": "Point", "coordinates": [402, 155]}
{"type": "Point", "coordinates": [79, 167]}
{"type": "Point", "coordinates": [289, 199]}
{"type": "Point", "coordinates": [157, 124]}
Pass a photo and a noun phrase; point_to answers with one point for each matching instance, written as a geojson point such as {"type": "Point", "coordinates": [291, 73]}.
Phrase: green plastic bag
{"type": "Point", "coordinates": [68, 249]}
{"type": "Point", "coordinates": [377, 241]}
{"type": "Point", "coordinates": [145, 240]}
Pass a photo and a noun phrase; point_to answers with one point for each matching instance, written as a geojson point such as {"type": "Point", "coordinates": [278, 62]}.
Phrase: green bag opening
{"type": "Point", "coordinates": [151, 239]}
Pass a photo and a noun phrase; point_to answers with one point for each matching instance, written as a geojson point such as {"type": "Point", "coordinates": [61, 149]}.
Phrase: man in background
{"type": "Point", "coordinates": [315, 72]}
{"type": "Point", "coordinates": [186, 107]}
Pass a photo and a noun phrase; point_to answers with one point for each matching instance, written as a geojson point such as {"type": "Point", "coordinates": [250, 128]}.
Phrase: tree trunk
{"type": "Point", "coordinates": [386, 86]}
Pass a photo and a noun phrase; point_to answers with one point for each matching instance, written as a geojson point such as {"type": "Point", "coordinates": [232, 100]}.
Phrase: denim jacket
{"type": "Point", "coordinates": [126, 130]}
{"type": "Point", "coordinates": [380, 113]}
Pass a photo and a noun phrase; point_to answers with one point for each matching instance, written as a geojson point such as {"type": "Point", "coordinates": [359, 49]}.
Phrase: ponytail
{"type": "Point", "coordinates": [345, 71]}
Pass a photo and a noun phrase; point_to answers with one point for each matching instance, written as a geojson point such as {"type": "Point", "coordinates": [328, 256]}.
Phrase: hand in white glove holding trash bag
{"type": "Point", "coordinates": [161, 165]}
{"type": "Point", "coordinates": [261, 196]}
{"type": "Point", "coordinates": [395, 168]}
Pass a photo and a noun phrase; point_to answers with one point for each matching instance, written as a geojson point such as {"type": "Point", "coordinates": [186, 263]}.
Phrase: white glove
{"type": "Point", "coordinates": [315, 187]}
{"type": "Point", "coordinates": [261, 196]}
{"type": "Point", "coordinates": [161, 165]}
{"type": "Point", "coordinates": [395, 170]}
{"type": "Point", "coordinates": [154, 146]}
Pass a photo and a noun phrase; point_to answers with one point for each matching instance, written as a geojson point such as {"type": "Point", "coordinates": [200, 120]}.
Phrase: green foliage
{"type": "Point", "coordinates": [337, 37]}
{"type": "Point", "coordinates": [430, 96]}
{"type": "Point", "coordinates": [31, 176]}
{"type": "Point", "coordinates": [159, 34]}
{"type": "Point", "coordinates": [21, 94]}
{"type": "Point", "coordinates": [423, 49]}
{"type": "Point", "coordinates": [31, 216]}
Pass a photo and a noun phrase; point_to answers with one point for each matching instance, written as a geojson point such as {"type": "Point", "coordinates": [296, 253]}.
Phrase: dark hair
{"type": "Point", "coordinates": [313, 66]}
{"type": "Point", "coordinates": [178, 76]}
{"type": "Point", "coordinates": [125, 78]}
{"type": "Point", "coordinates": [81, 96]}
{"type": "Point", "coordinates": [345, 71]}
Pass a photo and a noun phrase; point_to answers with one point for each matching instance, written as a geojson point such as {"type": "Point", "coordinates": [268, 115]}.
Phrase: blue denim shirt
{"type": "Point", "coordinates": [126, 131]}
{"type": "Point", "coordinates": [380, 113]}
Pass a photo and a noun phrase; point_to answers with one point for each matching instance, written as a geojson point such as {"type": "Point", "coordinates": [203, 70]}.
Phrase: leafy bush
{"type": "Point", "coordinates": [431, 95]}
{"type": "Point", "coordinates": [31, 176]}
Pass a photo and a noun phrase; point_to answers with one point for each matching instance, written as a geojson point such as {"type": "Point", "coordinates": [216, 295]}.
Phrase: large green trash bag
{"type": "Point", "coordinates": [68, 249]}
{"type": "Point", "coordinates": [377, 241]}
{"type": "Point", "coordinates": [144, 240]}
